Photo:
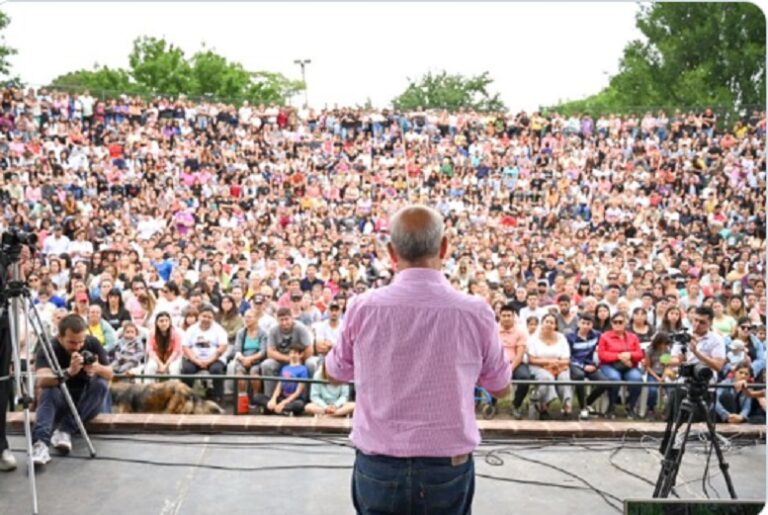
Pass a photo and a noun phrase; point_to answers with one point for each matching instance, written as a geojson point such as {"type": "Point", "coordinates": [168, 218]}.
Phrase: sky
{"type": "Point", "coordinates": [537, 53]}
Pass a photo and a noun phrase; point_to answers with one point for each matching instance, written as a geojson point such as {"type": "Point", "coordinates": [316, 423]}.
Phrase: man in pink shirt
{"type": "Point", "coordinates": [514, 339]}
{"type": "Point", "coordinates": [415, 350]}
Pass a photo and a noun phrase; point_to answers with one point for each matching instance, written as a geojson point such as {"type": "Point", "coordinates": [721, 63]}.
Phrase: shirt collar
{"type": "Point", "coordinates": [429, 275]}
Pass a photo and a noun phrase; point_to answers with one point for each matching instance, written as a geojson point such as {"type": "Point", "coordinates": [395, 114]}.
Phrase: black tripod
{"type": "Point", "coordinates": [673, 445]}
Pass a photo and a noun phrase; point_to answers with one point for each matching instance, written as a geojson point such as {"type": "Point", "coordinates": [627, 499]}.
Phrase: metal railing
{"type": "Point", "coordinates": [531, 382]}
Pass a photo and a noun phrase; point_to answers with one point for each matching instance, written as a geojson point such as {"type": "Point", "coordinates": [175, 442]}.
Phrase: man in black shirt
{"type": "Point", "coordinates": [87, 384]}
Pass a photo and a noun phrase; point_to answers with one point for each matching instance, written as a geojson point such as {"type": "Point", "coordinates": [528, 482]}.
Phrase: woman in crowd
{"type": "Point", "coordinates": [619, 353]}
{"type": "Point", "coordinates": [229, 318]}
{"type": "Point", "coordinates": [549, 358]}
{"type": "Point", "coordinates": [672, 321]}
{"type": "Point", "coordinates": [164, 347]}
{"type": "Point", "coordinates": [640, 327]}
{"type": "Point", "coordinates": [114, 311]}
{"type": "Point", "coordinates": [602, 317]}
{"type": "Point", "coordinates": [723, 323]}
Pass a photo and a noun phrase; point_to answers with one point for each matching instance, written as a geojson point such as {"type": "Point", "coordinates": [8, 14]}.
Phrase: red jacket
{"type": "Point", "coordinates": [611, 345]}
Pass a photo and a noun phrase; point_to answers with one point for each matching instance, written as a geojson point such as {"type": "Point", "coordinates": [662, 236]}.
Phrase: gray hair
{"type": "Point", "coordinates": [416, 243]}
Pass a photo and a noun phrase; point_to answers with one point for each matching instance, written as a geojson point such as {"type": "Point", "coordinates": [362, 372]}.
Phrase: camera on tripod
{"type": "Point", "coordinates": [89, 358]}
{"type": "Point", "coordinates": [693, 372]}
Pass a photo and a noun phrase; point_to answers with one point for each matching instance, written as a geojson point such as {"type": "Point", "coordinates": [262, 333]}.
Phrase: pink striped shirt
{"type": "Point", "coordinates": [415, 350]}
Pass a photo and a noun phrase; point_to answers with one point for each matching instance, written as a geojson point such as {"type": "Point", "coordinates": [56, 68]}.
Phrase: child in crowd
{"type": "Point", "coordinates": [128, 353]}
{"type": "Point", "coordinates": [288, 396]}
{"type": "Point", "coordinates": [656, 364]}
{"type": "Point", "coordinates": [735, 355]}
{"type": "Point", "coordinates": [330, 400]}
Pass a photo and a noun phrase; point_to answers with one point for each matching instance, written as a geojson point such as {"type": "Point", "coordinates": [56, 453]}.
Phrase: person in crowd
{"type": "Point", "coordinates": [288, 396]}
{"type": "Point", "coordinates": [657, 369]}
{"type": "Point", "coordinates": [583, 346]}
{"type": "Point", "coordinates": [229, 318]}
{"type": "Point", "coordinates": [250, 351]}
{"type": "Point", "coordinates": [287, 332]}
{"type": "Point", "coordinates": [619, 353]}
{"type": "Point", "coordinates": [549, 357]}
{"type": "Point", "coordinates": [639, 326]}
{"type": "Point", "coordinates": [164, 348]}
{"type": "Point", "coordinates": [328, 399]}
{"type": "Point", "coordinates": [99, 328]}
{"type": "Point", "coordinates": [114, 311]}
{"type": "Point", "coordinates": [514, 339]}
{"type": "Point", "coordinates": [127, 355]}
{"type": "Point", "coordinates": [754, 347]}
{"type": "Point", "coordinates": [602, 317]}
{"type": "Point", "coordinates": [733, 405]}
{"type": "Point", "coordinates": [204, 348]}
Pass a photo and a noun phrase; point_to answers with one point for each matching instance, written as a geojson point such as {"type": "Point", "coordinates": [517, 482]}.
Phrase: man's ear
{"type": "Point", "coordinates": [392, 254]}
{"type": "Point", "coordinates": [443, 247]}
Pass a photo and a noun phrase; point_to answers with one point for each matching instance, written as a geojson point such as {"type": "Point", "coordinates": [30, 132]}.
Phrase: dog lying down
{"type": "Point", "coordinates": [166, 397]}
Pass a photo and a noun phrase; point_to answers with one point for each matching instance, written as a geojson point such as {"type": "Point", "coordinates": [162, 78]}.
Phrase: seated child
{"type": "Point", "coordinates": [288, 396]}
{"type": "Point", "coordinates": [329, 399]}
{"type": "Point", "coordinates": [127, 355]}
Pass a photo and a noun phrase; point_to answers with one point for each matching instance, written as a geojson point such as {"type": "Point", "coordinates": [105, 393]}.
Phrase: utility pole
{"type": "Point", "coordinates": [303, 63]}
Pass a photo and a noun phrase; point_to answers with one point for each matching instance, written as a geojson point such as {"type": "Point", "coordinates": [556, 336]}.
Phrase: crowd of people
{"type": "Point", "coordinates": [202, 236]}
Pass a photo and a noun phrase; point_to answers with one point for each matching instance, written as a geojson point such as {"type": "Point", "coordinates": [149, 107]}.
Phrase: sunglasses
{"type": "Point", "coordinates": [617, 322]}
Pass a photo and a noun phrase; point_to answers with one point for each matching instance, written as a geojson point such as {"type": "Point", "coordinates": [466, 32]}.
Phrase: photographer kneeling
{"type": "Point", "coordinates": [86, 372]}
{"type": "Point", "coordinates": [706, 348]}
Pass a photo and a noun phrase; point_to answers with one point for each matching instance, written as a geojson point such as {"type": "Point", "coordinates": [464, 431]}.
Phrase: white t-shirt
{"type": "Point", "coordinates": [324, 331]}
{"type": "Point", "coordinates": [204, 343]}
{"type": "Point", "coordinates": [537, 348]}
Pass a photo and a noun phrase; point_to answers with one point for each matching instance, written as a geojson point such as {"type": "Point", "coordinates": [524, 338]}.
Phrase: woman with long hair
{"type": "Point", "coordinates": [229, 317]}
{"type": "Point", "coordinates": [164, 347]}
{"type": "Point", "coordinates": [639, 325]}
{"type": "Point", "coordinates": [672, 321]}
{"type": "Point", "coordinates": [602, 317]}
{"type": "Point", "coordinates": [114, 312]}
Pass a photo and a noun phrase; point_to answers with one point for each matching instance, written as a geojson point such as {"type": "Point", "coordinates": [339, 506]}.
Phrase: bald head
{"type": "Point", "coordinates": [417, 232]}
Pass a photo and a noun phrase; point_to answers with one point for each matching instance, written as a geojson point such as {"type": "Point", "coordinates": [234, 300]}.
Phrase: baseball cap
{"type": "Point", "coordinates": [334, 305]}
{"type": "Point", "coordinates": [81, 297]}
{"type": "Point", "coordinates": [258, 299]}
{"type": "Point", "coordinates": [737, 345]}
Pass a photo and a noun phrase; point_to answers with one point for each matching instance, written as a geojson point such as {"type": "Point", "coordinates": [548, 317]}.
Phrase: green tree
{"type": "Point", "coordinates": [269, 87]}
{"type": "Point", "coordinates": [99, 81]}
{"type": "Point", "coordinates": [694, 55]}
{"type": "Point", "coordinates": [5, 51]}
{"type": "Point", "coordinates": [159, 68]}
{"type": "Point", "coordinates": [449, 91]}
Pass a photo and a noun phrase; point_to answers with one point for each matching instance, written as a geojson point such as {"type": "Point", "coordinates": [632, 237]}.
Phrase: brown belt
{"type": "Point", "coordinates": [461, 459]}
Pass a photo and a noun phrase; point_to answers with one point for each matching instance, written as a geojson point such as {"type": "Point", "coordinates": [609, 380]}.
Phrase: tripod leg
{"type": "Point", "coordinates": [23, 394]}
{"type": "Point", "coordinates": [716, 444]}
{"type": "Point", "coordinates": [673, 453]}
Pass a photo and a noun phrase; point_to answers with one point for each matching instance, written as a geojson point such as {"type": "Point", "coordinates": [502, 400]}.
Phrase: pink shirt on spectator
{"type": "Point", "coordinates": [415, 350]}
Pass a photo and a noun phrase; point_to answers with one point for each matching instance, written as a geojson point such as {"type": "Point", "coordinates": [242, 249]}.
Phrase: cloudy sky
{"type": "Point", "coordinates": [537, 53]}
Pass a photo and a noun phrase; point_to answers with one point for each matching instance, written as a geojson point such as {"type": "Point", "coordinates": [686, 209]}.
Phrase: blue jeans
{"type": "Point", "coordinates": [405, 486]}
{"type": "Point", "coordinates": [653, 393]}
{"type": "Point", "coordinates": [53, 409]}
{"type": "Point", "coordinates": [633, 374]}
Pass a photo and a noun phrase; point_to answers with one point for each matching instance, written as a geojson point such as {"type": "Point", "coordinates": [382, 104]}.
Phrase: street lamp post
{"type": "Point", "coordinates": [303, 63]}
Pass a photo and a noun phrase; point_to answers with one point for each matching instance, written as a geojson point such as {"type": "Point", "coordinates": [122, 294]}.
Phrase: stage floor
{"type": "Point", "coordinates": [240, 474]}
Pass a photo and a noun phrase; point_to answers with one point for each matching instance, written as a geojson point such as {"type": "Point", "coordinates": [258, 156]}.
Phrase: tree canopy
{"type": "Point", "coordinates": [5, 50]}
{"type": "Point", "coordinates": [695, 55]}
{"type": "Point", "coordinates": [157, 67]}
{"type": "Point", "coordinates": [449, 91]}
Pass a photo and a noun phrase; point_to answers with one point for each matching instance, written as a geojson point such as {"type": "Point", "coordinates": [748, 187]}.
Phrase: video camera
{"type": "Point", "coordinates": [89, 358]}
{"type": "Point", "coordinates": [694, 372]}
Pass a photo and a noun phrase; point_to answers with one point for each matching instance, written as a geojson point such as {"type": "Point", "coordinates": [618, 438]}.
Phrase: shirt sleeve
{"type": "Point", "coordinates": [496, 371]}
{"type": "Point", "coordinates": [339, 361]}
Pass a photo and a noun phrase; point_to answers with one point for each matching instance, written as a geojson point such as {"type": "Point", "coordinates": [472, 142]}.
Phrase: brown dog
{"type": "Point", "coordinates": [166, 397]}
